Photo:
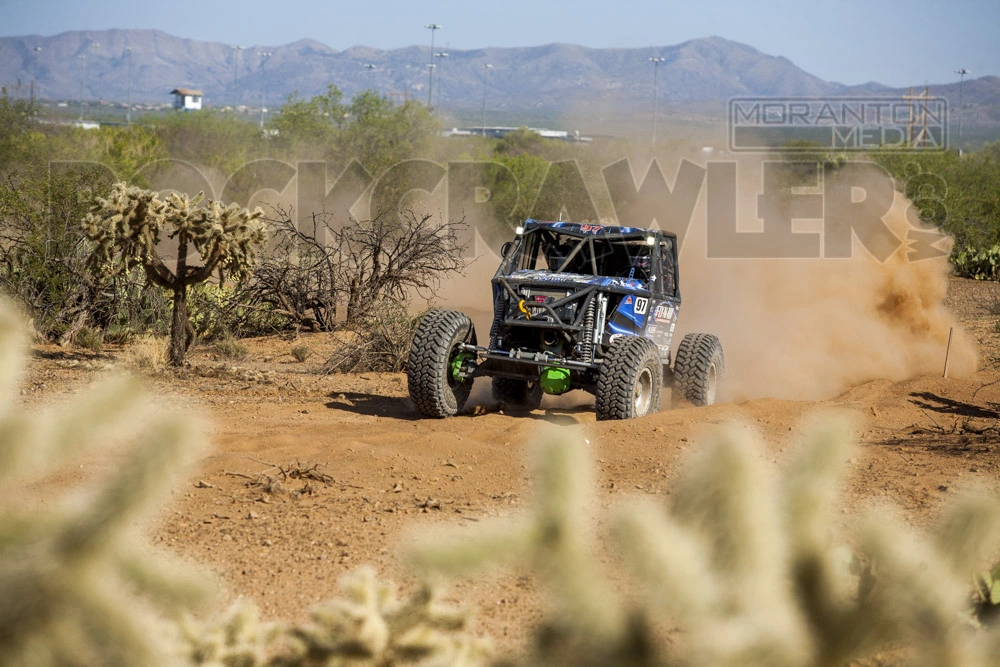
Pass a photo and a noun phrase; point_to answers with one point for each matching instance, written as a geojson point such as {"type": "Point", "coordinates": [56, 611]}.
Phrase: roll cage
{"type": "Point", "coordinates": [647, 256]}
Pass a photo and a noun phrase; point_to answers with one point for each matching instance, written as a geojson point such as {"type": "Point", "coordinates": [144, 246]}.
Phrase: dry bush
{"type": "Point", "coordinates": [380, 342]}
{"type": "Point", "coordinates": [319, 262]}
{"type": "Point", "coordinates": [230, 348]}
{"type": "Point", "coordinates": [147, 353]}
{"type": "Point", "coordinates": [89, 339]}
{"type": "Point", "coordinates": [300, 353]}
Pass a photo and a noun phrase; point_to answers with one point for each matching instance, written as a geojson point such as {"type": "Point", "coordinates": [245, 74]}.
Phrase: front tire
{"type": "Point", "coordinates": [434, 389]}
{"type": "Point", "coordinates": [517, 394]}
{"type": "Point", "coordinates": [630, 381]}
{"type": "Point", "coordinates": [699, 368]}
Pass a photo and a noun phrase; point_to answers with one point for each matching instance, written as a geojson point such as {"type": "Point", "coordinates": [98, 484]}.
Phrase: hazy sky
{"type": "Point", "coordinates": [851, 41]}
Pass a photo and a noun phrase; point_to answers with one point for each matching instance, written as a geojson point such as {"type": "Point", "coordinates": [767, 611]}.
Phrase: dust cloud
{"type": "Point", "coordinates": [811, 328]}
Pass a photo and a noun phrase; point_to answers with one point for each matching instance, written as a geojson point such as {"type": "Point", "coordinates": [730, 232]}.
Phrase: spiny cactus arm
{"type": "Point", "coordinates": [33, 442]}
{"type": "Point", "coordinates": [127, 635]}
{"type": "Point", "coordinates": [672, 563]}
{"type": "Point", "coordinates": [825, 589]}
{"type": "Point", "coordinates": [239, 638]}
{"type": "Point", "coordinates": [472, 551]}
{"type": "Point", "coordinates": [19, 528]}
{"type": "Point", "coordinates": [139, 481]}
{"type": "Point", "coordinates": [170, 586]}
{"type": "Point", "coordinates": [967, 536]}
{"type": "Point", "coordinates": [231, 236]}
{"type": "Point", "coordinates": [916, 597]}
{"type": "Point", "coordinates": [30, 442]}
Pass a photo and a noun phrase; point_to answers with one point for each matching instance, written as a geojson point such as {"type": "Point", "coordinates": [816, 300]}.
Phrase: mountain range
{"type": "Point", "coordinates": [554, 77]}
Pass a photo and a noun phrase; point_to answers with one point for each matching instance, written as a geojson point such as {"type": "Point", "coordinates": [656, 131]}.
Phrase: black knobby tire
{"type": "Point", "coordinates": [630, 381]}
{"type": "Point", "coordinates": [517, 394]}
{"type": "Point", "coordinates": [432, 389]}
{"type": "Point", "coordinates": [699, 368]}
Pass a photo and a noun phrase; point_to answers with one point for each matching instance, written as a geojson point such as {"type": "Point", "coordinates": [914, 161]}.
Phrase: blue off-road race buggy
{"type": "Point", "coordinates": [575, 306]}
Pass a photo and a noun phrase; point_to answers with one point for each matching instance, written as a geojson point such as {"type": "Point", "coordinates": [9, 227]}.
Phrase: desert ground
{"type": "Point", "coordinates": [308, 476]}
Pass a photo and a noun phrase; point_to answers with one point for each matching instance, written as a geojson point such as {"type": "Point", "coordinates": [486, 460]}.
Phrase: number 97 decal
{"type": "Point", "coordinates": [641, 305]}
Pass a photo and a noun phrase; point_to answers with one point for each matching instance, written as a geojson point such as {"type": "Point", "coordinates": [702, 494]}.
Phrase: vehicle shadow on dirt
{"type": "Point", "coordinates": [400, 407]}
{"type": "Point", "coordinates": [373, 405]}
{"type": "Point", "coordinates": [931, 401]}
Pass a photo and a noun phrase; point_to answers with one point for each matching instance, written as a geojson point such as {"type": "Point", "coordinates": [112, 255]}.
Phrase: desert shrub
{"type": "Point", "coordinates": [371, 265]}
{"type": "Point", "coordinates": [89, 339]}
{"type": "Point", "coordinates": [380, 341]}
{"type": "Point", "coordinates": [219, 311]}
{"type": "Point", "coordinates": [300, 353]}
{"type": "Point", "coordinates": [959, 193]}
{"type": "Point", "coordinates": [230, 348]}
{"type": "Point", "coordinates": [209, 138]}
{"type": "Point", "coordinates": [300, 278]}
{"type": "Point", "coordinates": [147, 352]}
{"type": "Point", "coordinates": [981, 264]}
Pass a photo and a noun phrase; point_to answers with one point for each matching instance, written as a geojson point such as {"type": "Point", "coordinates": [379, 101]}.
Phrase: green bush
{"type": "Point", "coordinates": [981, 264]}
{"type": "Point", "coordinates": [89, 339]}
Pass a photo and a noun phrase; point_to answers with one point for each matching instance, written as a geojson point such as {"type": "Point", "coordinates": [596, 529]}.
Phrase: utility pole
{"type": "Point", "coordinates": [35, 76]}
{"type": "Point", "coordinates": [83, 68]}
{"type": "Point", "coordinates": [236, 61]}
{"type": "Point", "coordinates": [128, 114]}
{"type": "Point", "coordinates": [430, 83]}
{"type": "Point", "coordinates": [656, 68]}
{"type": "Point", "coordinates": [263, 55]}
{"type": "Point", "coordinates": [442, 55]}
{"type": "Point", "coordinates": [486, 75]}
{"type": "Point", "coordinates": [961, 72]}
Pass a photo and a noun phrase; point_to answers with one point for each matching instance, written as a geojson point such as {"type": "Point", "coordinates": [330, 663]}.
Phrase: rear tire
{"type": "Point", "coordinates": [630, 381]}
{"type": "Point", "coordinates": [517, 394]}
{"type": "Point", "coordinates": [699, 368]}
{"type": "Point", "coordinates": [433, 389]}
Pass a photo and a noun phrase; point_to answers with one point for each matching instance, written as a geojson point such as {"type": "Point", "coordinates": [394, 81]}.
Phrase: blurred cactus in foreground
{"type": "Point", "coordinates": [75, 589]}
{"type": "Point", "coordinates": [370, 627]}
{"type": "Point", "coordinates": [78, 587]}
{"type": "Point", "coordinates": [743, 562]}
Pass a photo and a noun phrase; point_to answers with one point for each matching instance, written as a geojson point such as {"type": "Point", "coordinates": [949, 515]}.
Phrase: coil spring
{"type": "Point", "coordinates": [499, 313]}
{"type": "Point", "coordinates": [587, 349]}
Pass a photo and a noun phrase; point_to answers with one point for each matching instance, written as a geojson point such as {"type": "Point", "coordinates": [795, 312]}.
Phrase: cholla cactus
{"type": "Point", "coordinates": [131, 223]}
{"type": "Point", "coordinates": [370, 627]}
{"type": "Point", "coordinates": [240, 639]}
{"type": "Point", "coordinates": [72, 577]}
{"type": "Point", "coordinates": [745, 564]}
